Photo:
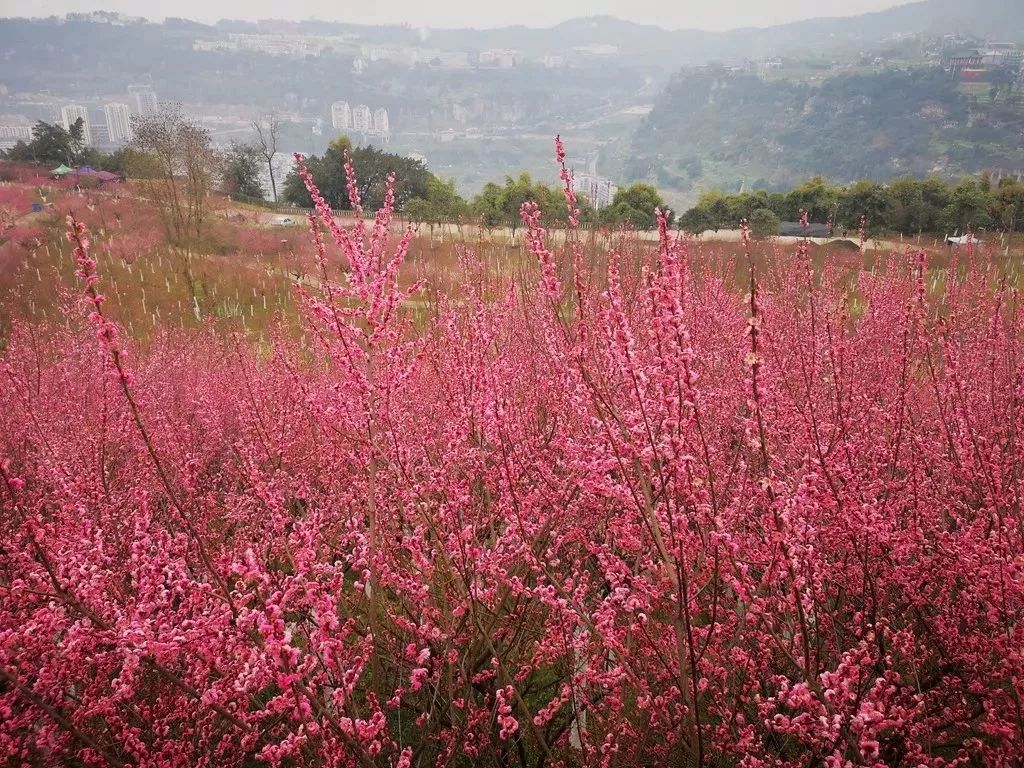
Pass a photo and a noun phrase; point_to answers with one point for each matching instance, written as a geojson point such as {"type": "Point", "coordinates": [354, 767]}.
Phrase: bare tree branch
{"type": "Point", "coordinates": [267, 129]}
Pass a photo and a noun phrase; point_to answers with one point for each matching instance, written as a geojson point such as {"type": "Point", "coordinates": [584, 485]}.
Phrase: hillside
{"type": "Point", "coordinates": [721, 128]}
{"type": "Point", "coordinates": [100, 52]}
{"type": "Point", "coordinates": [664, 48]}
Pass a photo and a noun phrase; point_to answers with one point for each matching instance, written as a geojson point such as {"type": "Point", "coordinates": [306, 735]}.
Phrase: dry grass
{"type": "Point", "coordinates": [244, 277]}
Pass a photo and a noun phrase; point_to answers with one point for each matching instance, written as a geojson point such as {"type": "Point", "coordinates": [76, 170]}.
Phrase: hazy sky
{"type": "Point", "coordinates": [701, 14]}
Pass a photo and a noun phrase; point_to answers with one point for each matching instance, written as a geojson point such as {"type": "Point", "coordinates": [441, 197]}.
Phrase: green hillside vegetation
{"type": "Point", "coordinates": [906, 205]}
{"type": "Point", "coordinates": [729, 128]}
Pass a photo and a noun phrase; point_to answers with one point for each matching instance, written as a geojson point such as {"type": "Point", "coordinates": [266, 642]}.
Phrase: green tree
{"type": "Point", "coordinates": [637, 205]}
{"type": "Point", "coordinates": [441, 204]}
{"type": "Point", "coordinates": [764, 223]}
{"type": "Point", "coordinates": [816, 196]}
{"type": "Point", "coordinates": [1008, 206]}
{"type": "Point", "coordinates": [968, 208]}
{"type": "Point", "coordinates": [241, 176]}
{"type": "Point", "coordinates": [718, 210]}
{"type": "Point", "coordinates": [487, 205]}
{"type": "Point", "coordinates": [909, 211]}
{"type": "Point", "coordinates": [498, 204]}
{"type": "Point", "coordinates": [697, 220]}
{"type": "Point", "coordinates": [742, 206]}
{"type": "Point", "coordinates": [443, 195]}
{"type": "Point", "coordinates": [868, 200]}
{"type": "Point", "coordinates": [513, 195]}
{"type": "Point", "coordinates": [51, 145]}
{"type": "Point", "coordinates": [372, 168]}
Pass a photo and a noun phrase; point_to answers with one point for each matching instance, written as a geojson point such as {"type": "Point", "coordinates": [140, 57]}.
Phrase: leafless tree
{"type": "Point", "coordinates": [267, 129]}
{"type": "Point", "coordinates": [175, 160]}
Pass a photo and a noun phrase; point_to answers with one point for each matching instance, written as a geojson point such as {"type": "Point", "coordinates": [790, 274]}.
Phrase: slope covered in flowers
{"type": "Point", "coordinates": [624, 515]}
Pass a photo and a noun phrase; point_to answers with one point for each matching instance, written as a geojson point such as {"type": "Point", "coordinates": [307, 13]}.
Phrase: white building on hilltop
{"type": "Point", "coordinates": [341, 115]}
{"type": "Point", "coordinates": [495, 57]}
{"type": "Point", "coordinates": [119, 126]}
{"type": "Point", "coordinates": [381, 124]}
{"type": "Point", "coordinates": [362, 119]}
{"type": "Point", "coordinates": [599, 190]}
{"type": "Point", "coordinates": [70, 114]}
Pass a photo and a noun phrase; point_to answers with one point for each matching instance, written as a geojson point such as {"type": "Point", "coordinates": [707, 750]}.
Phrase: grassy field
{"type": "Point", "coordinates": [245, 275]}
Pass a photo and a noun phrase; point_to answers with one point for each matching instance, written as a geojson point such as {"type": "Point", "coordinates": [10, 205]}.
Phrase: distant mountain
{"type": "Point", "coordinates": [666, 50]}
{"type": "Point", "coordinates": [1002, 19]}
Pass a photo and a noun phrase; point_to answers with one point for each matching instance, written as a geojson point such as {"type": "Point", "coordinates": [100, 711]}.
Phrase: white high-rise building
{"type": "Point", "coordinates": [341, 115]}
{"type": "Point", "coordinates": [381, 124]}
{"type": "Point", "coordinates": [362, 119]}
{"type": "Point", "coordinates": [144, 100]}
{"type": "Point", "coordinates": [119, 126]}
{"type": "Point", "coordinates": [70, 114]}
{"type": "Point", "coordinates": [599, 190]}
{"type": "Point", "coordinates": [100, 134]}
{"type": "Point", "coordinates": [14, 128]}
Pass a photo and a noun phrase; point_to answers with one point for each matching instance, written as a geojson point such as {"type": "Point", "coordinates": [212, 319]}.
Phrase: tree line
{"type": "Point", "coordinates": [176, 160]}
{"type": "Point", "coordinates": [53, 144]}
{"type": "Point", "coordinates": [906, 205]}
{"type": "Point", "coordinates": [172, 157]}
{"type": "Point", "coordinates": [428, 199]}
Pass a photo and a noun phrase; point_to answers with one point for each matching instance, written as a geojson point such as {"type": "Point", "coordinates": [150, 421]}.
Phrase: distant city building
{"type": "Point", "coordinates": [100, 133]}
{"type": "Point", "coordinates": [362, 119]}
{"type": "Point", "coordinates": [957, 64]}
{"type": "Point", "coordinates": [763, 67]}
{"type": "Point", "coordinates": [144, 100]}
{"type": "Point", "coordinates": [70, 114]}
{"type": "Point", "coordinates": [597, 49]}
{"type": "Point", "coordinates": [446, 59]}
{"type": "Point", "coordinates": [118, 119]}
{"type": "Point", "coordinates": [497, 58]}
{"type": "Point", "coordinates": [279, 45]}
{"type": "Point", "coordinates": [978, 65]}
{"type": "Point", "coordinates": [396, 54]}
{"type": "Point", "coordinates": [999, 54]}
{"type": "Point", "coordinates": [275, 44]}
{"type": "Point", "coordinates": [107, 17]}
{"type": "Point", "coordinates": [341, 115]}
{"type": "Point", "coordinates": [381, 124]}
{"type": "Point", "coordinates": [14, 128]}
{"type": "Point", "coordinates": [598, 190]}
{"type": "Point", "coordinates": [553, 61]}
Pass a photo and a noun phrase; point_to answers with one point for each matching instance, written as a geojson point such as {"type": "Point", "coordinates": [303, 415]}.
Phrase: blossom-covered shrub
{"type": "Point", "coordinates": [602, 517]}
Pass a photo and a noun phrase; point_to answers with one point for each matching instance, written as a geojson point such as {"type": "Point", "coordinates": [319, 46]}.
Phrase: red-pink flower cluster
{"type": "Point", "coordinates": [661, 520]}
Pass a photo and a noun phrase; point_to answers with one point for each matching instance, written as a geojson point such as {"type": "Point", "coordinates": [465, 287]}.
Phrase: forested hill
{"type": "Point", "coordinates": [717, 128]}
